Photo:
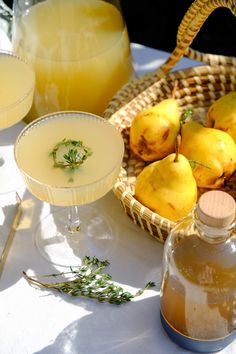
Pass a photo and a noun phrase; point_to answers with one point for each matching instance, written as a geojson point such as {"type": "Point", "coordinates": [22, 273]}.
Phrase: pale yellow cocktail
{"type": "Point", "coordinates": [80, 51]}
{"type": "Point", "coordinates": [16, 89]}
{"type": "Point", "coordinates": [66, 186]}
{"type": "Point", "coordinates": [71, 159]}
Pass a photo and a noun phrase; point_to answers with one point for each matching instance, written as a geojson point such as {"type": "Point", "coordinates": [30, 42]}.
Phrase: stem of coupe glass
{"type": "Point", "coordinates": [73, 222]}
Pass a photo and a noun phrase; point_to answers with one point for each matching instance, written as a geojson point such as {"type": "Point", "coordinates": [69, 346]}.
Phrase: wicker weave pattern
{"type": "Point", "coordinates": [198, 87]}
{"type": "Point", "coordinates": [197, 13]}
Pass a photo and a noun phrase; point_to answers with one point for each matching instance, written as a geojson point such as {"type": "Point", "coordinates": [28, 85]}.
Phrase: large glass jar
{"type": "Point", "coordinates": [198, 292]}
{"type": "Point", "coordinates": [80, 51]}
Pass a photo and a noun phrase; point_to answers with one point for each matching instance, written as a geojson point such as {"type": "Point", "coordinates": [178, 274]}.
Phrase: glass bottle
{"type": "Point", "coordinates": [198, 290]}
{"type": "Point", "coordinates": [79, 49]}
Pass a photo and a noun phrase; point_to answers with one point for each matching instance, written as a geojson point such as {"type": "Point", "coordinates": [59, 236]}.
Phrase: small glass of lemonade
{"type": "Point", "coordinates": [17, 81]}
{"type": "Point", "coordinates": [70, 167]}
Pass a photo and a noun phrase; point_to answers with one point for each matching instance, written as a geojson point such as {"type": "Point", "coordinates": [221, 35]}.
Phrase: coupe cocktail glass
{"type": "Point", "coordinates": [44, 152]}
{"type": "Point", "coordinates": [16, 95]}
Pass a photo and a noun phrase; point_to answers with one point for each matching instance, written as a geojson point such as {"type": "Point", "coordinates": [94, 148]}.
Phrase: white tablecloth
{"type": "Point", "coordinates": [36, 321]}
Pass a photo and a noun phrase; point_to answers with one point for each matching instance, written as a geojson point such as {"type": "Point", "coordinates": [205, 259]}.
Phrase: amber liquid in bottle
{"type": "Point", "coordinates": [203, 291]}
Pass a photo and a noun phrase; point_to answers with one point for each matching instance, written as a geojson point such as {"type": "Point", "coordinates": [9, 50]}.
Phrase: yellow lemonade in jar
{"type": "Point", "coordinates": [80, 52]}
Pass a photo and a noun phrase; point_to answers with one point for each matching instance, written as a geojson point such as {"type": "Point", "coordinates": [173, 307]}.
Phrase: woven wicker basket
{"type": "Point", "coordinates": [198, 87]}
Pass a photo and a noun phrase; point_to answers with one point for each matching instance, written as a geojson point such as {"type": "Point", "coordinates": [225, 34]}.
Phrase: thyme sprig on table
{"type": "Point", "coordinates": [89, 281]}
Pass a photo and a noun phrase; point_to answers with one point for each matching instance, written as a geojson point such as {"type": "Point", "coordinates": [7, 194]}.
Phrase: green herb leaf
{"type": "Point", "coordinates": [186, 116]}
{"type": "Point", "coordinates": [70, 153]}
{"type": "Point", "coordinates": [195, 164]}
{"type": "Point", "coordinates": [88, 280]}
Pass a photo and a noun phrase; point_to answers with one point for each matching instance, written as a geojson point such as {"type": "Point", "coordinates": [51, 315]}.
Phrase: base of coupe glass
{"type": "Point", "coordinates": [61, 247]}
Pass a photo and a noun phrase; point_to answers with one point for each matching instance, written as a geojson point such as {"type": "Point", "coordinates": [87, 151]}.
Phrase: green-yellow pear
{"type": "Point", "coordinates": [167, 187]}
{"type": "Point", "coordinates": [213, 150]}
{"type": "Point", "coordinates": [153, 131]}
{"type": "Point", "coordinates": [222, 114]}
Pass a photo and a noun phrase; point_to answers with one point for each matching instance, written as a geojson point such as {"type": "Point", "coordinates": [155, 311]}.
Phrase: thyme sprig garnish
{"type": "Point", "coordinates": [90, 281]}
{"type": "Point", "coordinates": [70, 153]}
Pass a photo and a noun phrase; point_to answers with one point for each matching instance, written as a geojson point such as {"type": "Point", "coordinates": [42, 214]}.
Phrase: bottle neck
{"type": "Point", "coordinates": [213, 234]}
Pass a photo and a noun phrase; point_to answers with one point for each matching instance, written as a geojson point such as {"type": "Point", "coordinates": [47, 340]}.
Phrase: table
{"type": "Point", "coordinates": [37, 321]}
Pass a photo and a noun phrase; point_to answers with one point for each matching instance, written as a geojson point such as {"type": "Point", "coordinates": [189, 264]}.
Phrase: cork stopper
{"type": "Point", "coordinates": [216, 209]}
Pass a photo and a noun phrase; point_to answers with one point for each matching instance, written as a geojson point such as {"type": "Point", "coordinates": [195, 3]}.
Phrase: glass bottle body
{"type": "Point", "coordinates": [198, 292]}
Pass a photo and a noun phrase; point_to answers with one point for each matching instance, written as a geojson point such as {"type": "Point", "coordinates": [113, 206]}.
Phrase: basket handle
{"type": "Point", "coordinates": [189, 27]}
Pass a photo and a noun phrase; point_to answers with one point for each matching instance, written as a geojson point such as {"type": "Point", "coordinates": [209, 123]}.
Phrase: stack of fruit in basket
{"type": "Point", "coordinates": [183, 157]}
